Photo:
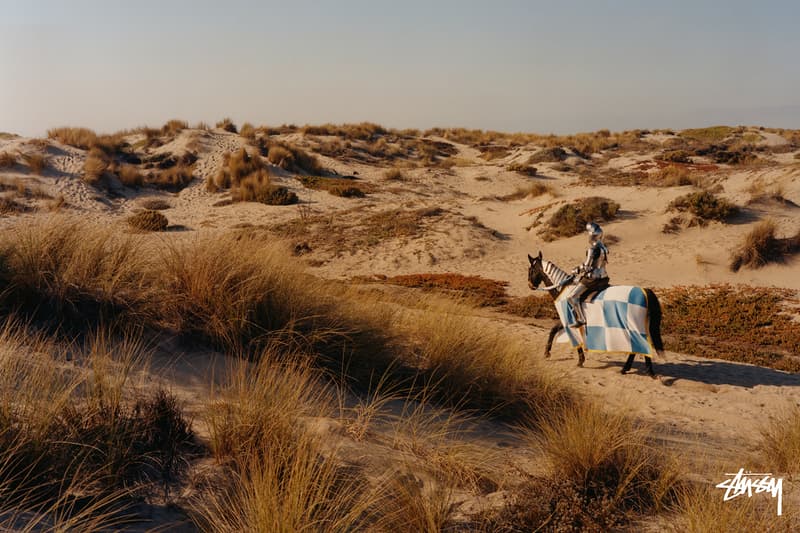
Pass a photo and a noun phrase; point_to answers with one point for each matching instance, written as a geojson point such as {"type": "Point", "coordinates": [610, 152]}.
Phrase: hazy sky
{"type": "Point", "coordinates": [509, 65]}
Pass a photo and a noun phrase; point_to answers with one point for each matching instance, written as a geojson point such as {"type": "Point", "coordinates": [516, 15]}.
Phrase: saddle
{"type": "Point", "coordinates": [593, 287]}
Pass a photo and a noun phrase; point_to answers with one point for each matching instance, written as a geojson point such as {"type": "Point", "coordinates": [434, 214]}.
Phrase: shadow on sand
{"type": "Point", "coordinates": [714, 373]}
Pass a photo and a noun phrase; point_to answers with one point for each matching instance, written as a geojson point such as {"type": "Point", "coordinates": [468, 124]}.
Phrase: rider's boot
{"type": "Point", "coordinates": [577, 313]}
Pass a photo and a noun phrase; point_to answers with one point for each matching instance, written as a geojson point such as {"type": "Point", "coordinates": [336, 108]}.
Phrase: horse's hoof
{"type": "Point", "coordinates": [580, 364]}
{"type": "Point", "coordinates": [653, 375]}
{"type": "Point", "coordinates": [547, 355]}
{"type": "Point", "coordinates": [623, 371]}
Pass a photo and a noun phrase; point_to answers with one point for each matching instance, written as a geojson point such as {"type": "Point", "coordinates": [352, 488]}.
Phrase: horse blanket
{"type": "Point", "coordinates": [616, 321]}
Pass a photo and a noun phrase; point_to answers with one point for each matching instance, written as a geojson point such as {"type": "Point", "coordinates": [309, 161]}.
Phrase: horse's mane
{"type": "Point", "coordinates": [553, 272]}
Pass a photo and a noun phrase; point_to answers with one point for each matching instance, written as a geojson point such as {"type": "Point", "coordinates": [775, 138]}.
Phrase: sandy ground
{"type": "Point", "coordinates": [701, 406]}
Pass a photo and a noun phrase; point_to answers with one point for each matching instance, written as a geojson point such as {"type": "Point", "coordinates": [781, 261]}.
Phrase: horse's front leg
{"type": "Point", "coordinates": [648, 361]}
{"type": "Point", "coordinates": [581, 357]}
{"type": "Point", "coordinates": [628, 364]}
{"type": "Point", "coordinates": [553, 331]}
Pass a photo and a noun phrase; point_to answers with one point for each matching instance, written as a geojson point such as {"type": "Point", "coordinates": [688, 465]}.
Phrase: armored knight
{"type": "Point", "coordinates": [591, 275]}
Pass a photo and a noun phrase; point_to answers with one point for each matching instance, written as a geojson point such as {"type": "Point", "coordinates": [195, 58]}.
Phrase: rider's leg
{"type": "Point", "coordinates": [574, 300]}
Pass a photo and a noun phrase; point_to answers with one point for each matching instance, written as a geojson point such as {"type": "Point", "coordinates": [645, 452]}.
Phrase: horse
{"type": "Point", "coordinates": [648, 322]}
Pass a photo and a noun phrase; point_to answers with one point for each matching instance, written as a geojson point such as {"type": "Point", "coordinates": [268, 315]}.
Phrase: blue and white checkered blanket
{"type": "Point", "coordinates": [616, 321]}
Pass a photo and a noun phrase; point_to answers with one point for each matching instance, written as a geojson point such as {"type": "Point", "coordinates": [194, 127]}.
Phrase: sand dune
{"type": "Point", "coordinates": [464, 224]}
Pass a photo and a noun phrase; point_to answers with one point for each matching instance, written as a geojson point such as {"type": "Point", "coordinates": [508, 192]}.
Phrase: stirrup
{"type": "Point", "coordinates": [577, 323]}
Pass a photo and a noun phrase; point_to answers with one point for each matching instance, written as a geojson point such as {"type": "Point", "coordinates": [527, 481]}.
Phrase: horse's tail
{"type": "Point", "coordinates": [654, 311]}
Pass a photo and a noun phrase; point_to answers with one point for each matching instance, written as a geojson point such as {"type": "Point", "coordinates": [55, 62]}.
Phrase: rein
{"type": "Point", "coordinates": [566, 281]}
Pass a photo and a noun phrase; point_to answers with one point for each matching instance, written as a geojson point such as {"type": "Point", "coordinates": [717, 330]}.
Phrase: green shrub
{"type": "Point", "coordinates": [710, 134]}
{"type": "Point", "coordinates": [704, 205]}
{"type": "Point", "coordinates": [571, 219]}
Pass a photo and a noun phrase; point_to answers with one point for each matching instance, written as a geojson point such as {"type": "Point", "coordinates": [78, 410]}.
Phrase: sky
{"type": "Point", "coordinates": [534, 66]}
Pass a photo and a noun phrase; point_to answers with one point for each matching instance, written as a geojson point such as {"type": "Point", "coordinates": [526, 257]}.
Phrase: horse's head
{"type": "Point", "coordinates": [535, 271]}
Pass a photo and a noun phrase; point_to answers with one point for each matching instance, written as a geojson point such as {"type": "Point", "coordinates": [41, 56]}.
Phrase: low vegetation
{"type": "Point", "coordinates": [258, 187]}
{"type": "Point", "coordinates": [394, 174]}
{"type": "Point", "coordinates": [710, 134]}
{"type": "Point", "coordinates": [526, 170]}
{"type": "Point", "coordinates": [227, 125]}
{"type": "Point", "coordinates": [36, 162]}
{"type": "Point", "coordinates": [780, 441]}
{"type": "Point", "coordinates": [476, 289]}
{"type": "Point", "coordinates": [571, 219]}
{"type": "Point", "coordinates": [533, 306]}
{"type": "Point", "coordinates": [298, 396]}
{"type": "Point", "coordinates": [72, 429]}
{"type": "Point", "coordinates": [700, 509]}
{"type": "Point", "coordinates": [548, 155]}
{"type": "Point", "coordinates": [604, 473]}
{"type": "Point", "coordinates": [235, 167]}
{"type": "Point", "coordinates": [9, 206]}
{"type": "Point", "coordinates": [7, 160]}
{"type": "Point", "coordinates": [148, 220]}
{"type": "Point", "coordinates": [172, 179]}
{"type": "Point", "coordinates": [344, 187]}
{"type": "Point", "coordinates": [739, 323]}
{"type": "Point", "coordinates": [155, 204]}
{"type": "Point", "coordinates": [529, 191]}
{"type": "Point", "coordinates": [290, 157]}
{"type": "Point", "coordinates": [704, 206]}
{"type": "Point", "coordinates": [249, 180]}
{"type": "Point", "coordinates": [761, 246]}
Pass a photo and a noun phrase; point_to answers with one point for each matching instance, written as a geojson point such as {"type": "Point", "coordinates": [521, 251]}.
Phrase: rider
{"type": "Point", "coordinates": [591, 275]}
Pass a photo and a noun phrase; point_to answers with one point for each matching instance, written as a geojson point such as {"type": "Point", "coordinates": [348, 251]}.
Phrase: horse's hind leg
{"type": "Point", "coordinates": [628, 364]}
{"type": "Point", "coordinates": [555, 329]}
{"type": "Point", "coordinates": [581, 357]}
{"type": "Point", "coordinates": [648, 361]}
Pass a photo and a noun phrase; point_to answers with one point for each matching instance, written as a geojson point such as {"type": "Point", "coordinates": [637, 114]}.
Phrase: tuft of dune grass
{"type": "Point", "coordinates": [277, 476]}
{"type": "Point", "coordinates": [65, 269]}
{"type": "Point", "coordinates": [36, 162]}
{"type": "Point", "coordinates": [78, 137]}
{"type": "Point", "coordinates": [260, 404]}
{"type": "Point", "coordinates": [7, 160]}
{"type": "Point", "coordinates": [528, 191]}
{"type": "Point", "coordinates": [394, 174]}
{"type": "Point", "coordinates": [258, 187]}
{"type": "Point", "coordinates": [241, 295]}
{"type": "Point", "coordinates": [761, 246]}
{"type": "Point", "coordinates": [66, 428]}
{"type": "Point", "coordinates": [227, 125]}
{"type": "Point", "coordinates": [599, 451]}
{"type": "Point", "coordinates": [780, 442]}
{"type": "Point", "coordinates": [148, 220]}
{"type": "Point", "coordinates": [701, 509]}
{"type": "Point", "coordinates": [603, 473]}
{"type": "Point", "coordinates": [287, 487]}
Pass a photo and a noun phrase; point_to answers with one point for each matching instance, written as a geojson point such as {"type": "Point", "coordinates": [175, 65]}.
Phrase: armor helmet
{"type": "Point", "coordinates": [595, 232]}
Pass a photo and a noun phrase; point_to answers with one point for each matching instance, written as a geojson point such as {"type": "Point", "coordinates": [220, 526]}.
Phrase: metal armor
{"type": "Point", "coordinates": [590, 274]}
